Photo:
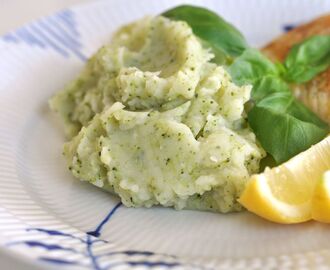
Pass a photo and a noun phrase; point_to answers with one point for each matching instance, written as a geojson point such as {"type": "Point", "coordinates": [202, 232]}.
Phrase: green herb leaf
{"type": "Point", "coordinates": [225, 40]}
{"type": "Point", "coordinates": [267, 85]}
{"type": "Point", "coordinates": [307, 59]}
{"type": "Point", "coordinates": [250, 67]}
{"type": "Point", "coordinates": [284, 126]}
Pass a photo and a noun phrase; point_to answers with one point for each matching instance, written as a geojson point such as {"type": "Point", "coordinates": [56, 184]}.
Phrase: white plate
{"type": "Point", "coordinates": [45, 213]}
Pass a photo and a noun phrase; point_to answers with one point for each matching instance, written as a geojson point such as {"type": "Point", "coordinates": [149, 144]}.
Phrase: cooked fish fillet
{"type": "Point", "coordinates": [315, 93]}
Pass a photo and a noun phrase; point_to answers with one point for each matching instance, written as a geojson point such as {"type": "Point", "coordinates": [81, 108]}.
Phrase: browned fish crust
{"type": "Point", "coordinates": [316, 93]}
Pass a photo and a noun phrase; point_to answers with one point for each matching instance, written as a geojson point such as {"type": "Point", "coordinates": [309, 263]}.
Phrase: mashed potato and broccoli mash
{"type": "Point", "coordinates": [153, 120]}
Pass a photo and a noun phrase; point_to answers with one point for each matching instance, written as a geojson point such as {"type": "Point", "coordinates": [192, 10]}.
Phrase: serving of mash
{"type": "Point", "coordinates": [153, 120]}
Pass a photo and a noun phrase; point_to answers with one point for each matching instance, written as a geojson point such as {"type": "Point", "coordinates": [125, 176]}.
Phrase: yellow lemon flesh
{"type": "Point", "coordinates": [284, 194]}
{"type": "Point", "coordinates": [321, 199]}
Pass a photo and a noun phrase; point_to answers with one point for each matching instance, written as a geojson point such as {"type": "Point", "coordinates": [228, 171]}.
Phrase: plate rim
{"type": "Point", "coordinates": [225, 262]}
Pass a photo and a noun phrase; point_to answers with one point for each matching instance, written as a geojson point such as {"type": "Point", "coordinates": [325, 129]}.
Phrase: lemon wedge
{"type": "Point", "coordinates": [321, 199]}
{"type": "Point", "coordinates": [284, 194]}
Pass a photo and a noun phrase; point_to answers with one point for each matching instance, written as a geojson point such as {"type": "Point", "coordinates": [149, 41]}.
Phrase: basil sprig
{"type": "Point", "coordinates": [284, 126]}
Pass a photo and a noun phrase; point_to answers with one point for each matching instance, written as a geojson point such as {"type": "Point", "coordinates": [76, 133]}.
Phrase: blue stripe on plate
{"type": "Point", "coordinates": [58, 32]}
{"type": "Point", "coordinates": [137, 258]}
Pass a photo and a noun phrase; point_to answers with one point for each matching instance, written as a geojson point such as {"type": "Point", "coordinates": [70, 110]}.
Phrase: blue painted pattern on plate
{"type": "Point", "coordinates": [88, 241]}
{"type": "Point", "coordinates": [58, 32]}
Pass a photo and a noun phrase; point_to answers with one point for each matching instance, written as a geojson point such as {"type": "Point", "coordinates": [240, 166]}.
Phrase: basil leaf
{"type": "Point", "coordinates": [267, 85]}
{"type": "Point", "coordinates": [285, 102]}
{"type": "Point", "coordinates": [222, 37]}
{"type": "Point", "coordinates": [285, 127]}
{"type": "Point", "coordinates": [250, 67]}
{"type": "Point", "coordinates": [307, 59]}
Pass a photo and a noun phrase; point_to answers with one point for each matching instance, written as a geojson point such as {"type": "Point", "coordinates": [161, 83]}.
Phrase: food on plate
{"type": "Point", "coordinates": [316, 92]}
{"type": "Point", "coordinates": [288, 193]}
{"type": "Point", "coordinates": [171, 127]}
{"type": "Point", "coordinates": [179, 111]}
